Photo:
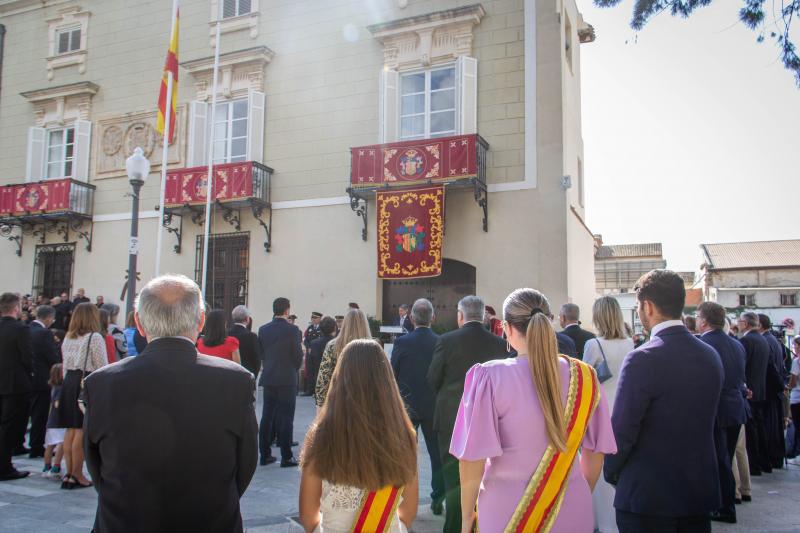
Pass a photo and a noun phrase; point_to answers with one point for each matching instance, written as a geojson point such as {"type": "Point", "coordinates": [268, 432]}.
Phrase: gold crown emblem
{"type": "Point", "coordinates": [409, 221]}
{"type": "Point", "coordinates": [411, 153]}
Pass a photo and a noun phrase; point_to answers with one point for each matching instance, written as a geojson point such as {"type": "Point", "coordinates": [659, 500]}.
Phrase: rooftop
{"type": "Point", "coordinates": [610, 251]}
{"type": "Point", "coordinates": [756, 254]}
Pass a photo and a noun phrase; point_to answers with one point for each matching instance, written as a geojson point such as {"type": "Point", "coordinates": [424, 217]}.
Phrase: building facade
{"type": "Point", "coordinates": [617, 267]}
{"type": "Point", "coordinates": [761, 276]}
{"type": "Point", "coordinates": [301, 82]}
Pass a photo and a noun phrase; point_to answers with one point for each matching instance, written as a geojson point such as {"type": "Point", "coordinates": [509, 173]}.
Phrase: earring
{"type": "Point", "coordinates": [508, 347]}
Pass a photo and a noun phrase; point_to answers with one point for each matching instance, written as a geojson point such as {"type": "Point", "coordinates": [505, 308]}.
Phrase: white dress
{"type": "Point", "coordinates": [340, 505]}
{"type": "Point", "coordinates": [605, 516]}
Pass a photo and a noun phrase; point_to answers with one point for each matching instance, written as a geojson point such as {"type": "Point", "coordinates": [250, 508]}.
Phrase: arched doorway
{"type": "Point", "coordinates": [444, 292]}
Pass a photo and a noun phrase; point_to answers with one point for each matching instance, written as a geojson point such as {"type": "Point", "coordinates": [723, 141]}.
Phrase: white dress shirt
{"type": "Point", "coordinates": [664, 325]}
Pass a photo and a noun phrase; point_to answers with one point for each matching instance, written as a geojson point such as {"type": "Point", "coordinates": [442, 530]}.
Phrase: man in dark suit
{"type": "Point", "coordinates": [756, 366]}
{"type": "Point", "coordinates": [411, 359]}
{"type": "Point", "coordinates": [569, 317]}
{"type": "Point", "coordinates": [327, 327]}
{"type": "Point", "coordinates": [455, 353]}
{"type": "Point", "coordinates": [150, 417]}
{"type": "Point", "coordinates": [404, 320]}
{"type": "Point", "coordinates": [282, 356]}
{"type": "Point", "coordinates": [249, 348]}
{"type": "Point", "coordinates": [665, 469]}
{"type": "Point", "coordinates": [45, 355]}
{"type": "Point", "coordinates": [732, 410]}
{"type": "Point", "coordinates": [777, 378]}
{"type": "Point", "coordinates": [15, 382]}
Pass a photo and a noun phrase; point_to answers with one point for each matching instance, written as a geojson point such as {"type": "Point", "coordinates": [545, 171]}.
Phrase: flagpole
{"type": "Point", "coordinates": [210, 155]}
{"type": "Point", "coordinates": [165, 152]}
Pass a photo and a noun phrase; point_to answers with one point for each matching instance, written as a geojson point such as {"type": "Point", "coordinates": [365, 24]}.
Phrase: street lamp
{"type": "Point", "coordinates": [138, 168]}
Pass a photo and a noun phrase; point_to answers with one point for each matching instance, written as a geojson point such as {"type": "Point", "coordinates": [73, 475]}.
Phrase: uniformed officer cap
{"type": "Point", "coordinates": [316, 314]}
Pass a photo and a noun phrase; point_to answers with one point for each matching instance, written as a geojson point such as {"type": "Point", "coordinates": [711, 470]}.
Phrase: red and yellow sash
{"type": "Point", "coordinates": [541, 502]}
{"type": "Point", "coordinates": [377, 510]}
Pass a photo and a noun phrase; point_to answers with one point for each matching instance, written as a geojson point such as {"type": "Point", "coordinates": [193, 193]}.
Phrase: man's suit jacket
{"type": "Point", "coordinates": [16, 352]}
{"type": "Point", "coordinates": [406, 323]}
{"type": "Point", "coordinates": [455, 353]}
{"type": "Point", "coordinates": [411, 359]}
{"type": "Point", "coordinates": [776, 378]}
{"type": "Point", "coordinates": [281, 353]}
{"type": "Point", "coordinates": [732, 410]}
{"type": "Point", "coordinates": [45, 355]}
{"type": "Point", "coordinates": [579, 336]}
{"type": "Point", "coordinates": [566, 345]}
{"type": "Point", "coordinates": [171, 440]}
{"type": "Point", "coordinates": [756, 362]}
{"type": "Point", "coordinates": [663, 420]}
{"type": "Point", "coordinates": [249, 348]}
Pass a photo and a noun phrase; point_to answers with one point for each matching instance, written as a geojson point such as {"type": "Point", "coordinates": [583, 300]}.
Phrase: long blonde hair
{"type": "Point", "coordinates": [528, 311]}
{"type": "Point", "coordinates": [607, 318]}
{"type": "Point", "coordinates": [362, 436]}
{"type": "Point", "coordinates": [355, 326]}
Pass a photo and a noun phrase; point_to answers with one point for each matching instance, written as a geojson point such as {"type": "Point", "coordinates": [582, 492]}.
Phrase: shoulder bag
{"type": "Point", "coordinates": [603, 372]}
{"type": "Point", "coordinates": [84, 373]}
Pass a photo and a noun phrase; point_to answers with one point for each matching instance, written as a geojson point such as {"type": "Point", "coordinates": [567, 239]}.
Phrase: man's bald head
{"type": "Point", "coordinates": [170, 306]}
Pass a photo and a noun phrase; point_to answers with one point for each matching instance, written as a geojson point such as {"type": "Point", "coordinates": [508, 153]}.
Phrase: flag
{"type": "Point", "coordinates": [170, 66]}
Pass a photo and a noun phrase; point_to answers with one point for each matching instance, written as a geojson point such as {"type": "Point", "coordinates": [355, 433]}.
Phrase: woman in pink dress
{"type": "Point", "coordinates": [512, 415]}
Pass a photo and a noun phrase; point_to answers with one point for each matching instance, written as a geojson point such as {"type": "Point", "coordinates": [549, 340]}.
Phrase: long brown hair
{"type": "Point", "coordinates": [362, 436]}
{"type": "Point", "coordinates": [85, 319]}
{"type": "Point", "coordinates": [355, 326]}
{"type": "Point", "coordinates": [528, 311]}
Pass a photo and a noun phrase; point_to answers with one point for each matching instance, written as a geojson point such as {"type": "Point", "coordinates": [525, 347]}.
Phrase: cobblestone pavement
{"type": "Point", "coordinates": [37, 505]}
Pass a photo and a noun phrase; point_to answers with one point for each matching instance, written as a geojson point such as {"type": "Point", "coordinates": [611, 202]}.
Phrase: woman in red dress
{"type": "Point", "coordinates": [216, 341]}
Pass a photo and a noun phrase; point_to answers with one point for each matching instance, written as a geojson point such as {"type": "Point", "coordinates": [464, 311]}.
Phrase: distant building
{"type": "Point", "coordinates": [617, 267]}
{"type": "Point", "coordinates": [688, 278]}
{"type": "Point", "coordinates": [762, 276]}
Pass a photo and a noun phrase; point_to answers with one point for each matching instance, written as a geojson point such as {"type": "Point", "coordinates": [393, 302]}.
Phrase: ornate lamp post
{"type": "Point", "coordinates": [138, 168]}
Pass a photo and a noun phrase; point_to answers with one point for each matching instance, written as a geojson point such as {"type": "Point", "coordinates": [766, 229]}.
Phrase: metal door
{"type": "Point", "coordinates": [52, 269]}
{"type": "Point", "coordinates": [227, 279]}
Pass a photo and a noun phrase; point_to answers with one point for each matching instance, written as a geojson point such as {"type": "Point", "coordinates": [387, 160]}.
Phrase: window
{"type": "Point", "coordinates": [748, 300]}
{"type": "Point", "coordinates": [234, 8]}
{"type": "Point", "coordinates": [230, 132]}
{"type": "Point", "coordinates": [60, 153]}
{"type": "Point", "coordinates": [789, 299]}
{"type": "Point", "coordinates": [428, 104]}
{"type": "Point", "coordinates": [69, 40]}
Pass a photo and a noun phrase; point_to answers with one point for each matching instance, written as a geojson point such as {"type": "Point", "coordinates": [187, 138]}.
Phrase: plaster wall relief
{"type": "Point", "coordinates": [116, 137]}
{"type": "Point", "coordinates": [239, 73]}
{"type": "Point", "coordinates": [57, 106]}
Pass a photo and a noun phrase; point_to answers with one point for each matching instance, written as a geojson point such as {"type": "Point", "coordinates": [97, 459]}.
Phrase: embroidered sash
{"type": "Point", "coordinates": [377, 510]}
{"type": "Point", "coordinates": [541, 501]}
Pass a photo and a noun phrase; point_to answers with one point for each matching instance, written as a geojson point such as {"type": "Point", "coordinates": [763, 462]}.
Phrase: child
{"type": "Point", "coordinates": [55, 435]}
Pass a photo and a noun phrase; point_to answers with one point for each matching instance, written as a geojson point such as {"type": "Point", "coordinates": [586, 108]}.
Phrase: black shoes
{"type": "Point", "coordinates": [13, 474]}
{"type": "Point", "coordinates": [747, 498]}
{"type": "Point", "coordinates": [36, 454]}
{"type": "Point", "coordinates": [267, 460]}
{"type": "Point", "coordinates": [727, 518]}
{"type": "Point", "coordinates": [437, 507]}
{"type": "Point", "coordinates": [737, 501]}
{"type": "Point", "coordinates": [22, 450]}
{"type": "Point", "coordinates": [289, 463]}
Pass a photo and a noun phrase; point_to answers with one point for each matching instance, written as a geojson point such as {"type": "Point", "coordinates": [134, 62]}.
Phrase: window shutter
{"type": "Point", "coordinates": [390, 80]}
{"type": "Point", "coordinates": [468, 94]}
{"type": "Point", "coordinates": [63, 42]}
{"type": "Point", "coordinates": [255, 126]}
{"type": "Point", "coordinates": [198, 131]}
{"type": "Point", "coordinates": [34, 169]}
{"type": "Point", "coordinates": [83, 138]}
{"type": "Point", "coordinates": [228, 8]}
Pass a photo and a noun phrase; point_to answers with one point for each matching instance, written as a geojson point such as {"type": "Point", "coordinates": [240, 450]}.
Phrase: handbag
{"type": "Point", "coordinates": [603, 372]}
{"type": "Point", "coordinates": [84, 373]}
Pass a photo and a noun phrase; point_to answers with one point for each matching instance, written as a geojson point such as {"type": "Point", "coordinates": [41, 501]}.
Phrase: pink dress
{"type": "Point", "coordinates": [500, 419]}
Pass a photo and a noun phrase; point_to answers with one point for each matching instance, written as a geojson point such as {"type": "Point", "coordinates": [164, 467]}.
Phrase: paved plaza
{"type": "Point", "coordinates": [37, 505]}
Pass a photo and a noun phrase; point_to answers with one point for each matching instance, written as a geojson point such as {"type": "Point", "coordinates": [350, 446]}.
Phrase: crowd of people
{"type": "Point", "coordinates": [526, 427]}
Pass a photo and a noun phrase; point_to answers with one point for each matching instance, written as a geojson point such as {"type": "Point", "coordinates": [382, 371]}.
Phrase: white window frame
{"type": "Point", "coordinates": [249, 21]}
{"type": "Point", "coordinates": [229, 130]}
{"type": "Point", "coordinates": [428, 99]}
{"type": "Point", "coordinates": [72, 46]}
{"type": "Point", "coordinates": [238, 13]}
{"type": "Point", "coordinates": [64, 159]}
{"type": "Point", "coordinates": [791, 296]}
{"type": "Point", "coordinates": [749, 300]}
{"type": "Point", "coordinates": [68, 20]}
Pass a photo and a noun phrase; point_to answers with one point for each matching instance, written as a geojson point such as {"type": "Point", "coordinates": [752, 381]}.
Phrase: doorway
{"type": "Point", "coordinates": [444, 292]}
{"type": "Point", "coordinates": [227, 278]}
{"type": "Point", "coordinates": [52, 269]}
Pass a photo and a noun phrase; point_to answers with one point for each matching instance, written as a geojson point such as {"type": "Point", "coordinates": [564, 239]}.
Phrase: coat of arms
{"type": "Point", "coordinates": [411, 163]}
{"type": "Point", "coordinates": [410, 237]}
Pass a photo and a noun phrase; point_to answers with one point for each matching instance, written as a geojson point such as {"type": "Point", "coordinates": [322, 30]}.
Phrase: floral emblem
{"type": "Point", "coordinates": [410, 237]}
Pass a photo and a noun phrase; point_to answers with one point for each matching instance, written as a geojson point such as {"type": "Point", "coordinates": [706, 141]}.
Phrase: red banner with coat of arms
{"type": "Point", "coordinates": [410, 232]}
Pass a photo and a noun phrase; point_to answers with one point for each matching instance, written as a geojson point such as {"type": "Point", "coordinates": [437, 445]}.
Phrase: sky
{"type": "Point", "coordinates": [691, 132]}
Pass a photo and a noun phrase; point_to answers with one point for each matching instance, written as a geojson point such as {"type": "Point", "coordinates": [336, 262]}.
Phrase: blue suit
{"type": "Point", "coordinates": [282, 356]}
{"type": "Point", "coordinates": [731, 413]}
{"type": "Point", "coordinates": [663, 420]}
{"type": "Point", "coordinates": [411, 358]}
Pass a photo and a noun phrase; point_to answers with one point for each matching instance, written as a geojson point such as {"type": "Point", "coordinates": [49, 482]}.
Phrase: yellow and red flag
{"type": "Point", "coordinates": [170, 66]}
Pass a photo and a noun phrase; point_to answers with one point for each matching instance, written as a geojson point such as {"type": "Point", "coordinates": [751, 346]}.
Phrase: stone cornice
{"type": "Point", "coordinates": [258, 54]}
{"type": "Point", "coordinates": [83, 88]}
{"type": "Point", "coordinates": [473, 13]}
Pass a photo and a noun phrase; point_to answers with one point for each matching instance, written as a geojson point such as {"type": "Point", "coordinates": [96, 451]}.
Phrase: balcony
{"type": "Point", "coordinates": [236, 186]}
{"type": "Point", "coordinates": [60, 206]}
{"type": "Point", "coordinates": [456, 162]}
